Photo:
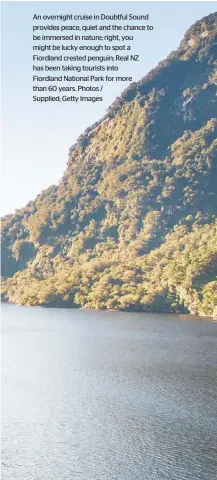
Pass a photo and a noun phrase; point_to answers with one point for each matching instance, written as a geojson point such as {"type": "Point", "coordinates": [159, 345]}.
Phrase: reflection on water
{"type": "Point", "coordinates": [103, 396]}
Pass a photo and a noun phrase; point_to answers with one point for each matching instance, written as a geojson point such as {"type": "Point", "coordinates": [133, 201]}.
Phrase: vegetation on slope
{"type": "Point", "coordinates": [132, 224]}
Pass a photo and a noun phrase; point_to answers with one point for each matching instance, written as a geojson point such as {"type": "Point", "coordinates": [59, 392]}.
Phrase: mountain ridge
{"type": "Point", "coordinates": [138, 193]}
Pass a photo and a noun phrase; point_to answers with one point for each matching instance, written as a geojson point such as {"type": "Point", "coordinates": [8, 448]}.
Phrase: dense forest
{"type": "Point", "coordinates": [132, 225]}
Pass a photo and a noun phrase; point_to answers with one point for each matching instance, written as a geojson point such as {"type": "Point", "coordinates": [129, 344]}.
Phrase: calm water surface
{"type": "Point", "coordinates": [108, 396]}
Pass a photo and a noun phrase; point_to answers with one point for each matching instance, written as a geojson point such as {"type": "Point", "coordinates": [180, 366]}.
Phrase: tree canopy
{"type": "Point", "coordinates": [132, 223]}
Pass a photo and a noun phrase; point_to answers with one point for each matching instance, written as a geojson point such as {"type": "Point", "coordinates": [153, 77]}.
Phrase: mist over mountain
{"type": "Point", "coordinates": [132, 225]}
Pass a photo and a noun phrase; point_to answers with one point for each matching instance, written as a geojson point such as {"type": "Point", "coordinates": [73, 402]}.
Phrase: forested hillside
{"type": "Point", "coordinates": [132, 225]}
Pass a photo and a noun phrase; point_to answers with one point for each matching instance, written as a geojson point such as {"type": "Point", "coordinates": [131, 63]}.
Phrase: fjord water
{"type": "Point", "coordinates": [108, 396]}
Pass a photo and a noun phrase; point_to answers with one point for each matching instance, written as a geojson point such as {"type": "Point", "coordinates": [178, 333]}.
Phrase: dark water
{"type": "Point", "coordinates": [108, 396]}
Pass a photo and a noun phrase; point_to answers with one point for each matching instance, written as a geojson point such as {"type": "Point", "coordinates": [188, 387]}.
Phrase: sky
{"type": "Point", "coordinates": [36, 137]}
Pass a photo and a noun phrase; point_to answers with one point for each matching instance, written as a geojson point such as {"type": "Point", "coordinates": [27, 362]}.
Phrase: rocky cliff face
{"type": "Point", "coordinates": [131, 225]}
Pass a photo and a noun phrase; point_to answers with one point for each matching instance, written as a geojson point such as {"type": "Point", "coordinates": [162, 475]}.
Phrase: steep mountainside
{"type": "Point", "coordinates": [132, 224]}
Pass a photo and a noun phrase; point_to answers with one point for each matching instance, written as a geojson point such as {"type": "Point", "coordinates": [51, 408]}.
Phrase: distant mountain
{"type": "Point", "coordinates": [132, 224]}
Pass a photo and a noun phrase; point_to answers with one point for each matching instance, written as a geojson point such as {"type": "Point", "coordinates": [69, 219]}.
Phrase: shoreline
{"type": "Point", "coordinates": [198, 315]}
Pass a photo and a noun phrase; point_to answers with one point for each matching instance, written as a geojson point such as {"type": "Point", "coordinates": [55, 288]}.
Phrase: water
{"type": "Point", "coordinates": [108, 396]}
